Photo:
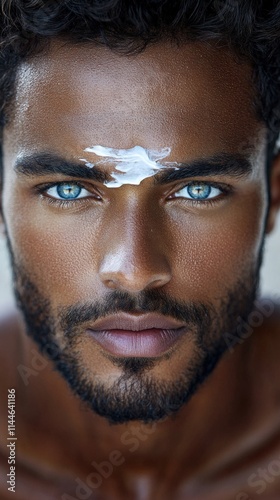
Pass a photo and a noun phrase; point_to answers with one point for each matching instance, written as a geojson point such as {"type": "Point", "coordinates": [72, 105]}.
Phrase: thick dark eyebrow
{"type": "Point", "coordinates": [48, 163]}
{"type": "Point", "coordinates": [224, 164]}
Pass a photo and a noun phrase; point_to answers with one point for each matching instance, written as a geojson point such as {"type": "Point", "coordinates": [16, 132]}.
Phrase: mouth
{"type": "Point", "coordinates": [148, 335]}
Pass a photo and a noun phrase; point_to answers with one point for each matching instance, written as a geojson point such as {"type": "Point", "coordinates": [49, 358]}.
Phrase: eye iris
{"type": "Point", "coordinates": [69, 191]}
{"type": "Point", "coordinates": [199, 191]}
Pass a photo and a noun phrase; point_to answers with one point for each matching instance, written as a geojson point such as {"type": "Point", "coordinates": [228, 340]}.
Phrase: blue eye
{"type": "Point", "coordinates": [67, 191]}
{"type": "Point", "coordinates": [198, 191]}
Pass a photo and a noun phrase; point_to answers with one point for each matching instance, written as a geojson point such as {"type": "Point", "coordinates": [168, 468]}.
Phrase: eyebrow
{"type": "Point", "coordinates": [223, 164]}
{"type": "Point", "coordinates": [48, 163]}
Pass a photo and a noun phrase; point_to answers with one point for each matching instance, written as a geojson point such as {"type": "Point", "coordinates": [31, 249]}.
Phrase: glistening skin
{"type": "Point", "coordinates": [182, 247]}
{"type": "Point", "coordinates": [145, 248]}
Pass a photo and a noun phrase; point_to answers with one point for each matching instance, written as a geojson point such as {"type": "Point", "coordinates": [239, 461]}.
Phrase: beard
{"type": "Point", "coordinates": [136, 394]}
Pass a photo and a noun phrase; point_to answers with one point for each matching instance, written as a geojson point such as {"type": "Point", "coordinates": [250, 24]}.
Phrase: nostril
{"type": "Point", "coordinates": [111, 284]}
{"type": "Point", "coordinates": [121, 271]}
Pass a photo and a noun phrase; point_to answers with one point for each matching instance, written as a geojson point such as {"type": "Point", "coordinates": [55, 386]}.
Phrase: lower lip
{"type": "Point", "coordinates": [146, 343]}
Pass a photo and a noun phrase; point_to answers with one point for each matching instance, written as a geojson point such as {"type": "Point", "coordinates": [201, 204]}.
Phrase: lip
{"type": "Point", "coordinates": [136, 322]}
{"type": "Point", "coordinates": [146, 335]}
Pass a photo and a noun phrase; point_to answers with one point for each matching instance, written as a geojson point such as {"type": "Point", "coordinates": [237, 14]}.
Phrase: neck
{"type": "Point", "coordinates": [203, 423]}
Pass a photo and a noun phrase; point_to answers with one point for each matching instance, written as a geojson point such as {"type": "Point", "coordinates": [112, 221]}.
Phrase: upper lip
{"type": "Point", "coordinates": [125, 321]}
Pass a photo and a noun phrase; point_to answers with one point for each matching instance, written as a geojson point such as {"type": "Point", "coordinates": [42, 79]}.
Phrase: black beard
{"type": "Point", "coordinates": [135, 395]}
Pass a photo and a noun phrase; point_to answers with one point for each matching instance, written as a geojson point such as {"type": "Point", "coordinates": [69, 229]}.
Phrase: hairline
{"type": "Point", "coordinates": [44, 48]}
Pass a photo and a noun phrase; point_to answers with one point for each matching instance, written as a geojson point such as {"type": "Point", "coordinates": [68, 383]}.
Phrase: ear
{"type": "Point", "coordinates": [274, 194]}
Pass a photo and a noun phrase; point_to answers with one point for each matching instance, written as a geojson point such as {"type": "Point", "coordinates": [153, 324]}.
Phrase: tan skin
{"type": "Point", "coordinates": [197, 100]}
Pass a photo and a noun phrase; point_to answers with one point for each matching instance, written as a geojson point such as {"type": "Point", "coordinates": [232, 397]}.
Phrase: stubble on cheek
{"type": "Point", "coordinates": [214, 252]}
{"type": "Point", "coordinates": [206, 259]}
{"type": "Point", "coordinates": [58, 252]}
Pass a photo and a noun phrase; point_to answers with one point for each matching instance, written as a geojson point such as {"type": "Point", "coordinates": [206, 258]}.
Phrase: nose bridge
{"type": "Point", "coordinates": [133, 256]}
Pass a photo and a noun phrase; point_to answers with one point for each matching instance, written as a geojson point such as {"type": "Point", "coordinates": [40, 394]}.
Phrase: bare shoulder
{"type": "Point", "coordinates": [268, 310]}
{"type": "Point", "coordinates": [264, 348]}
{"type": "Point", "coordinates": [11, 327]}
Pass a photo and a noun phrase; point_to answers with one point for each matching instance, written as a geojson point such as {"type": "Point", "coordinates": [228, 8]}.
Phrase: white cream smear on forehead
{"type": "Point", "coordinates": [132, 165]}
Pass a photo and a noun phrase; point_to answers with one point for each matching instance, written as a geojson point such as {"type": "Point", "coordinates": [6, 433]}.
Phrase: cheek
{"type": "Point", "coordinates": [217, 249]}
{"type": "Point", "coordinates": [58, 252]}
{"type": "Point", "coordinates": [208, 250]}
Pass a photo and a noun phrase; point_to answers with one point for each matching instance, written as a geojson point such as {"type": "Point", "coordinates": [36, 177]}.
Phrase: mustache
{"type": "Point", "coordinates": [147, 301]}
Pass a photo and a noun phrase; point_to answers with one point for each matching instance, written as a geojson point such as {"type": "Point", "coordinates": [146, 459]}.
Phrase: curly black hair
{"type": "Point", "coordinates": [251, 28]}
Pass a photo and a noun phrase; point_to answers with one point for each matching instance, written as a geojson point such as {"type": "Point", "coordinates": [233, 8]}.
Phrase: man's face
{"type": "Point", "coordinates": [188, 249]}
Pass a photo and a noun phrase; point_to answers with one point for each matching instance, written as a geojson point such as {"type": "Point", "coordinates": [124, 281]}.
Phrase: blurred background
{"type": "Point", "coordinates": [270, 275]}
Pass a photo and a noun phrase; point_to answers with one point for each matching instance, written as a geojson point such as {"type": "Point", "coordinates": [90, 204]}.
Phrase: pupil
{"type": "Point", "coordinates": [68, 191]}
{"type": "Point", "coordinates": [199, 191]}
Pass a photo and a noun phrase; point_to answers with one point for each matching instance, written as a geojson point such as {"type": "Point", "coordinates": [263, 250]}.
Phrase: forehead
{"type": "Point", "coordinates": [183, 97]}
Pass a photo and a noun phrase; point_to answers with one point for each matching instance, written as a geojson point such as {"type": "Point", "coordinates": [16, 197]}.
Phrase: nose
{"type": "Point", "coordinates": [134, 258]}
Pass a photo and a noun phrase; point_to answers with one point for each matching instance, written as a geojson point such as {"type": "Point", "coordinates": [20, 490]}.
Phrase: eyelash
{"type": "Point", "coordinates": [64, 204]}
{"type": "Point", "coordinates": [225, 189]}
